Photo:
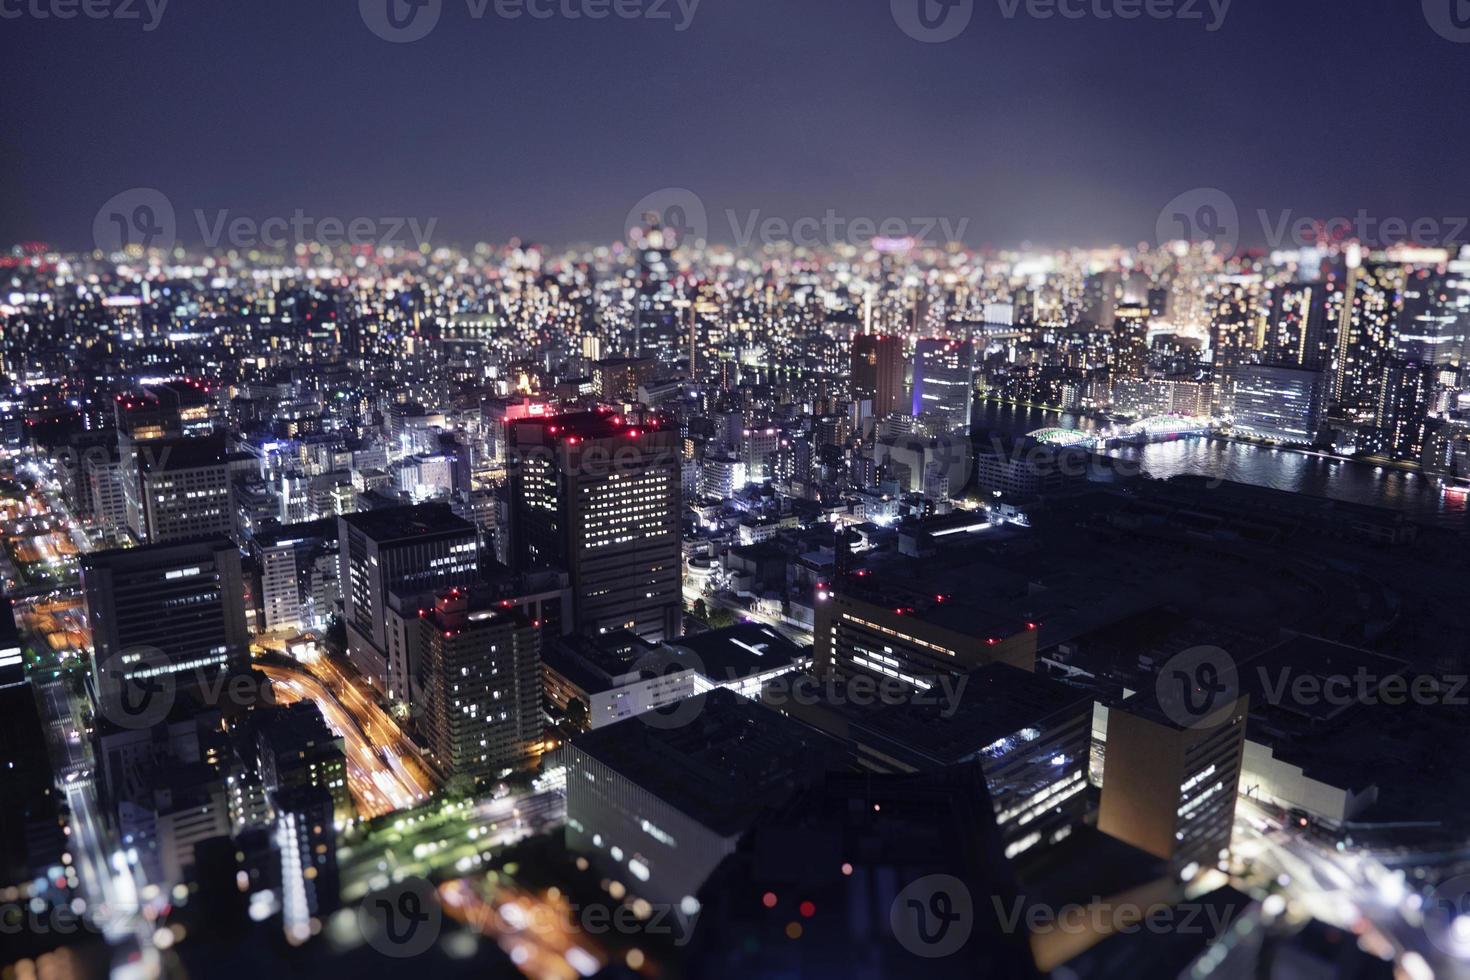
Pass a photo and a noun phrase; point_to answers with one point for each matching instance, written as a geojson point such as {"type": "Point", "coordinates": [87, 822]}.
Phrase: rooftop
{"type": "Point", "coordinates": [398, 523]}
{"type": "Point", "coordinates": [740, 651]}
{"type": "Point", "coordinates": [735, 759]}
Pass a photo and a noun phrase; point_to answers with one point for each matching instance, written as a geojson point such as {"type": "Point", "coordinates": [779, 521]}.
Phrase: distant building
{"type": "Point", "coordinates": [944, 383]}
{"type": "Point", "coordinates": [1281, 404]}
{"type": "Point", "coordinates": [877, 370]}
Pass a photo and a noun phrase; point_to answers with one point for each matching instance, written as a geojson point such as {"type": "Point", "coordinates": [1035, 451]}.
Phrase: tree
{"type": "Point", "coordinates": [577, 714]}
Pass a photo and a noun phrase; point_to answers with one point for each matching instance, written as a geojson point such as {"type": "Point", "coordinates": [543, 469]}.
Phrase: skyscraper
{"type": "Point", "coordinates": [1295, 331]}
{"type": "Point", "coordinates": [1365, 306]}
{"type": "Point", "coordinates": [168, 609]}
{"type": "Point", "coordinates": [598, 496]}
{"type": "Point", "coordinates": [482, 685]}
{"type": "Point", "coordinates": [944, 383]}
{"type": "Point", "coordinates": [1435, 324]}
{"type": "Point", "coordinates": [1130, 342]}
{"type": "Point", "coordinates": [1403, 409]}
{"type": "Point", "coordinates": [877, 371]}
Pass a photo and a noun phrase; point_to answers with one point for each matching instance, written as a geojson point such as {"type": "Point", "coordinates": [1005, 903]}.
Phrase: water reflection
{"type": "Point", "coordinates": [1412, 493]}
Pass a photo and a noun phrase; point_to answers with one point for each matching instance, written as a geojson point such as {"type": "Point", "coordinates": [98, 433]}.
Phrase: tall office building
{"type": "Point", "coordinates": [1403, 410]}
{"type": "Point", "coordinates": [1364, 305]}
{"type": "Point", "coordinates": [1434, 327]}
{"type": "Point", "coordinates": [175, 609]}
{"type": "Point", "coordinates": [1295, 331]}
{"type": "Point", "coordinates": [1129, 347]}
{"type": "Point", "coordinates": [656, 328]}
{"type": "Point", "coordinates": [944, 383]}
{"type": "Point", "coordinates": [402, 552]}
{"type": "Point", "coordinates": [1169, 789]}
{"type": "Point", "coordinates": [877, 371]}
{"type": "Point", "coordinates": [599, 497]}
{"type": "Point", "coordinates": [482, 685]}
{"type": "Point", "coordinates": [1237, 322]}
{"type": "Point", "coordinates": [1277, 403]}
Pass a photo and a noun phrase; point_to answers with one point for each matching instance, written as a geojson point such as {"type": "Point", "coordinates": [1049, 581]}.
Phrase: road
{"type": "Point", "coordinates": [110, 885]}
{"type": "Point", "coordinates": [444, 836]}
{"type": "Point", "coordinates": [1347, 888]}
{"type": "Point", "coordinates": [380, 779]}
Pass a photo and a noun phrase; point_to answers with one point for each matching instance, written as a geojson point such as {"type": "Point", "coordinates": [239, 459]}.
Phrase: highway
{"type": "Point", "coordinates": [380, 779]}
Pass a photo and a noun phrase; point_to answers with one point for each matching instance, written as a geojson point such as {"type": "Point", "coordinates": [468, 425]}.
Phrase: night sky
{"type": "Point", "coordinates": [1052, 132]}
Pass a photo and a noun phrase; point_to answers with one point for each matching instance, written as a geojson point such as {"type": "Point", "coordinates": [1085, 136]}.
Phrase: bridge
{"type": "Point", "coordinates": [1165, 426]}
{"type": "Point", "coordinates": [1066, 438]}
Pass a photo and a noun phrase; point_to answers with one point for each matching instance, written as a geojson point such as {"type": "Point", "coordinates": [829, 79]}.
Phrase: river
{"type": "Point", "coordinates": [1423, 499]}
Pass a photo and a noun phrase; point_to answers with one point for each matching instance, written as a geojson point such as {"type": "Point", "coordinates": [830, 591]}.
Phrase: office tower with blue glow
{"type": "Point", "coordinates": [944, 383]}
{"type": "Point", "coordinates": [1278, 403]}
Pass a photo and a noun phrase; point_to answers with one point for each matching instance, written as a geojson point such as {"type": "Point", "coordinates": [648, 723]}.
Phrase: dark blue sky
{"type": "Point", "coordinates": [1051, 131]}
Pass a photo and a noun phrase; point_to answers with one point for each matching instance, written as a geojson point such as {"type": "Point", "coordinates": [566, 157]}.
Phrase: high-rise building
{"type": "Point", "coordinates": [877, 371]}
{"type": "Point", "coordinates": [1403, 410]}
{"type": "Point", "coordinates": [407, 552]}
{"type": "Point", "coordinates": [656, 327]}
{"type": "Point", "coordinates": [617, 379]}
{"type": "Point", "coordinates": [296, 749]}
{"type": "Point", "coordinates": [1295, 331]}
{"type": "Point", "coordinates": [1435, 324]}
{"type": "Point", "coordinates": [167, 609]}
{"type": "Point", "coordinates": [944, 383]}
{"type": "Point", "coordinates": [1364, 305]}
{"type": "Point", "coordinates": [481, 695]}
{"type": "Point", "coordinates": [1129, 344]}
{"type": "Point", "coordinates": [597, 495]}
{"type": "Point", "coordinates": [1237, 319]}
{"type": "Point", "coordinates": [1277, 403]}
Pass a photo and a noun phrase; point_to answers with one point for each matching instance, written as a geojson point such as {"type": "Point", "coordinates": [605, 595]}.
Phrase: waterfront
{"type": "Point", "coordinates": [1299, 472]}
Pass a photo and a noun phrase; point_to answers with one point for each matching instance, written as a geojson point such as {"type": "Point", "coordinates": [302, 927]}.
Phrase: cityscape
{"type": "Point", "coordinates": [703, 577]}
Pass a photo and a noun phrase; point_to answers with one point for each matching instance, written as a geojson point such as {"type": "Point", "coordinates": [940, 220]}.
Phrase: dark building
{"type": "Point", "coordinates": [656, 802]}
{"type": "Point", "coordinates": [1296, 330]}
{"type": "Point", "coordinates": [597, 495]}
{"type": "Point", "coordinates": [165, 609]}
{"type": "Point", "coordinates": [877, 371]}
{"type": "Point", "coordinates": [295, 748]}
{"type": "Point", "coordinates": [1403, 410]}
{"type": "Point", "coordinates": [1169, 788]}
